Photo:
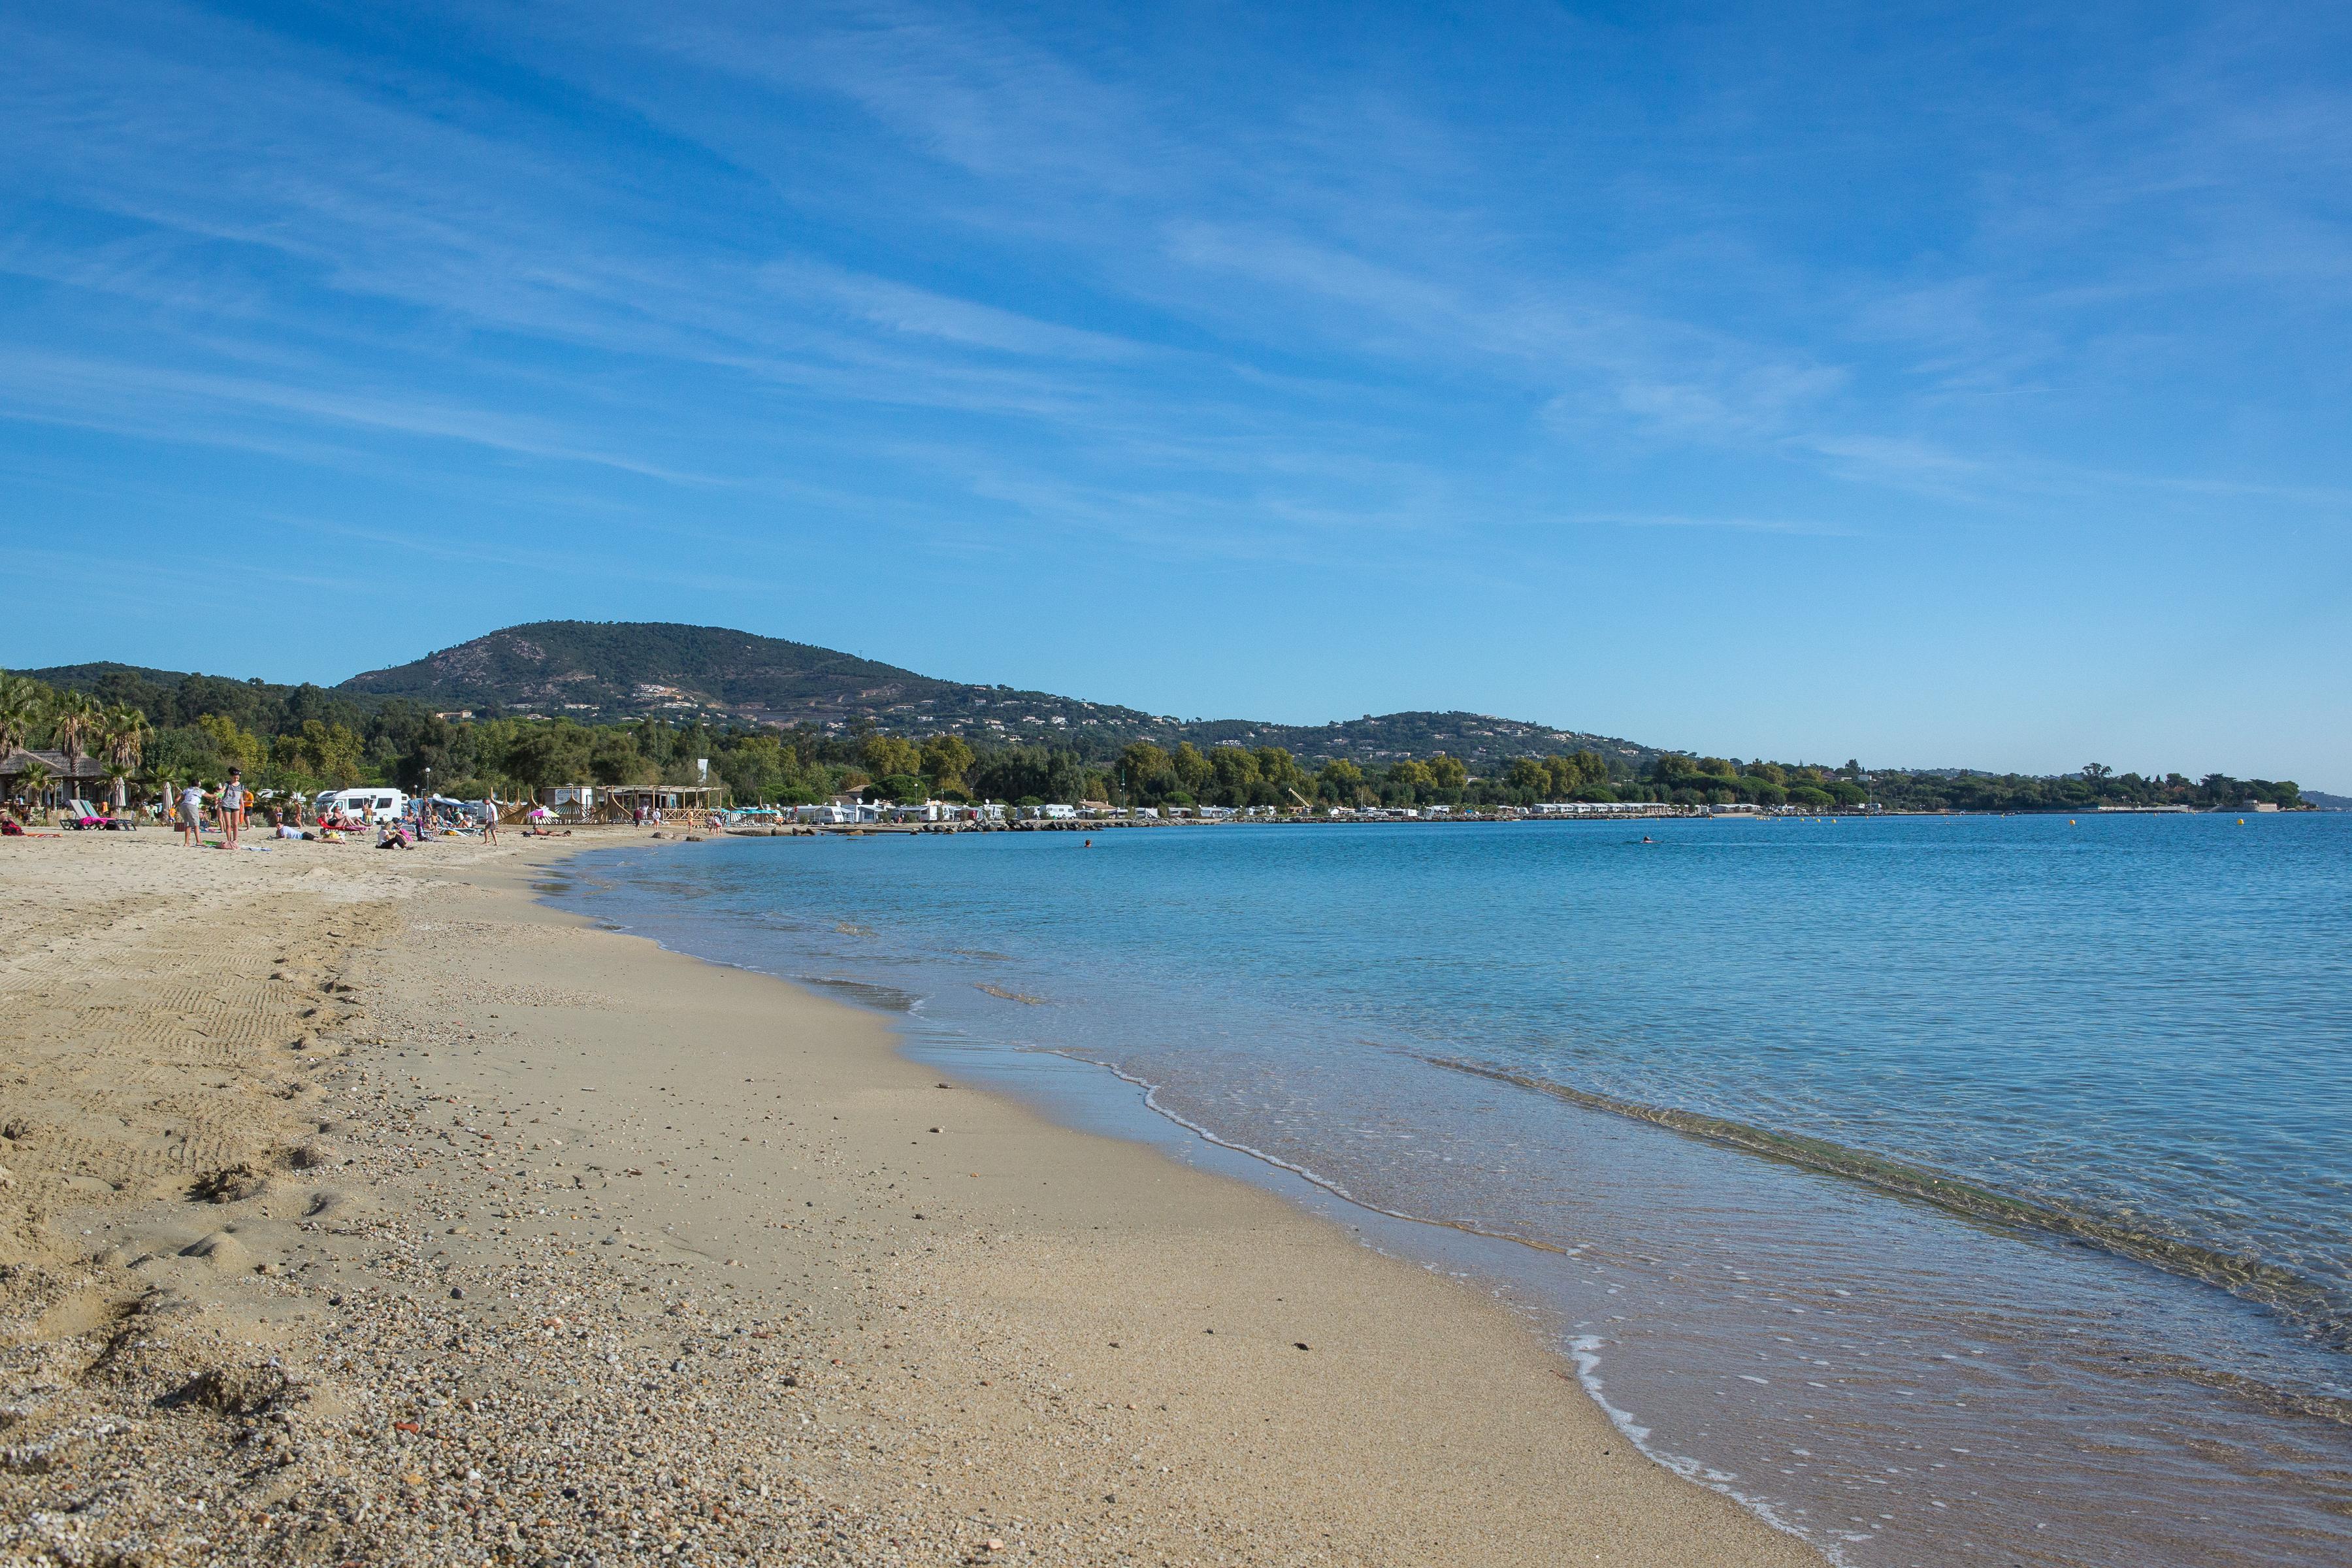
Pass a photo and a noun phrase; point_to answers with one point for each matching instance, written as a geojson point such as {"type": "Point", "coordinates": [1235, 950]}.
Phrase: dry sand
{"type": "Point", "coordinates": [358, 1209]}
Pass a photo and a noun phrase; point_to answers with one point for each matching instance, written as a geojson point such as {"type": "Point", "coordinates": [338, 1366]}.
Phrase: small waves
{"type": "Point", "coordinates": [888, 998]}
{"type": "Point", "coordinates": [2307, 1303]}
{"type": "Point", "coordinates": [1584, 1353]}
{"type": "Point", "coordinates": [1304, 1173]}
{"type": "Point", "coordinates": [2085, 1308]}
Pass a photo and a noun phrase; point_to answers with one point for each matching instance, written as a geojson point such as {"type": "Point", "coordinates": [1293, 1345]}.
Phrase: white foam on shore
{"type": "Point", "coordinates": [1630, 1366]}
{"type": "Point", "coordinates": [1584, 1349]}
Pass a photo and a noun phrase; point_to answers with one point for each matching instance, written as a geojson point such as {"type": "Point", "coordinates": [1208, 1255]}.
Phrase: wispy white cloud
{"type": "Point", "coordinates": [962, 86]}
{"type": "Point", "coordinates": [927, 263]}
{"type": "Point", "coordinates": [167, 401]}
{"type": "Point", "coordinates": [1807, 527]}
{"type": "Point", "coordinates": [900, 309]}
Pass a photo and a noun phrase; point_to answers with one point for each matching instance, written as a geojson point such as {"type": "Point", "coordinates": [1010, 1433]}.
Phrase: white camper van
{"type": "Point", "coordinates": [369, 804]}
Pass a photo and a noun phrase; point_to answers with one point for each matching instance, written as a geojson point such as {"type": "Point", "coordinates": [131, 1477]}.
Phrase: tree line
{"type": "Point", "coordinates": [305, 738]}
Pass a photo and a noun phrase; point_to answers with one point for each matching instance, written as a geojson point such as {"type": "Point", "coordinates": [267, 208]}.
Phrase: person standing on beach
{"type": "Point", "coordinates": [232, 808]}
{"type": "Point", "coordinates": [191, 815]}
{"type": "Point", "coordinates": [489, 819]}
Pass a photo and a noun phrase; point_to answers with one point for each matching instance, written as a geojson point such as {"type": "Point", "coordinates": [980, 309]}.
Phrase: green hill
{"type": "Point", "coordinates": [602, 672]}
{"type": "Point", "coordinates": [610, 670]}
{"type": "Point", "coordinates": [172, 698]}
{"type": "Point", "coordinates": [105, 674]}
{"type": "Point", "coordinates": [599, 671]}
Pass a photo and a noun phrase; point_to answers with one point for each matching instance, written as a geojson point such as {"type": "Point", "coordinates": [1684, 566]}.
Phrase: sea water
{"type": "Point", "coordinates": [2134, 1029]}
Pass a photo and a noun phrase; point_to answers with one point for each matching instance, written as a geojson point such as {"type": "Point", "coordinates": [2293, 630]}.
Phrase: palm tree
{"type": "Point", "coordinates": [20, 710]}
{"type": "Point", "coordinates": [32, 782]}
{"type": "Point", "coordinates": [123, 731]}
{"type": "Point", "coordinates": [126, 735]}
{"type": "Point", "coordinates": [74, 721]}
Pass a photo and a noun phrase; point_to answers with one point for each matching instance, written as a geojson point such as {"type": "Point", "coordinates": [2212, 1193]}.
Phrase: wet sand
{"type": "Point", "coordinates": [360, 1208]}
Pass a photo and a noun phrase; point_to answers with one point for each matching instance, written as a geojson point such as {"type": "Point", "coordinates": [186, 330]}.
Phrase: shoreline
{"type": "Point", "coordinates": [1887, 1320]}
{"type": "Point", "coordinates": [480, 1211]}
{"type": "Point", "coordinates": [1467, 817]}
{"type": "Point", "coordinates": [2297, 1299]}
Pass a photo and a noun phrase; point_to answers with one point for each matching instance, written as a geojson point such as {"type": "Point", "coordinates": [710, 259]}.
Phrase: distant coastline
{"type": "Point", "coordinates": [759, 721]}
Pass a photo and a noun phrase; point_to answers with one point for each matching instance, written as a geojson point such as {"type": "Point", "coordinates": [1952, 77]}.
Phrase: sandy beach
{"type": "Point", "coordinates": [360, 1209]}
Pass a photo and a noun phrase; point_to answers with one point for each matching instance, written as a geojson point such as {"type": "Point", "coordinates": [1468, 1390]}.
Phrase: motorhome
{"type": "Point", "coordinates": [372, 803]}
{"type": "Point", "coordinates": [842, 810]}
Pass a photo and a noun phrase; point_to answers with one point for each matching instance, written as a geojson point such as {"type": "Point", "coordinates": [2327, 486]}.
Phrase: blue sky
{"type": "Point", "coordinates": [1935, 385]}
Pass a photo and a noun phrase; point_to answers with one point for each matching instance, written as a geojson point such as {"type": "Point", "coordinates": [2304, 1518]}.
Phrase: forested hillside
{"type": "Point", "coordinates": [576, 701]}
{"type": "Point", "coordinates": [602, 673]}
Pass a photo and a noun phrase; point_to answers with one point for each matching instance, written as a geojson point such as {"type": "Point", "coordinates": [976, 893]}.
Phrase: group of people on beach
{"type": "Point", "coordinates": [230, 803]}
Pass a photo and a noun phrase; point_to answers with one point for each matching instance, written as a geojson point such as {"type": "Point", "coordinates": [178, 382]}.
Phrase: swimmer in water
{"type": "Point", "coordinates": [1088, 845]}
{"type": "Point", "coordinates": [1647, 839]}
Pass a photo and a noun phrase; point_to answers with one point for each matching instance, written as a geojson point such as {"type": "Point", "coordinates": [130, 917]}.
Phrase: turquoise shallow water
{"type": "Point", "coordinates": [2138, 1021]}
